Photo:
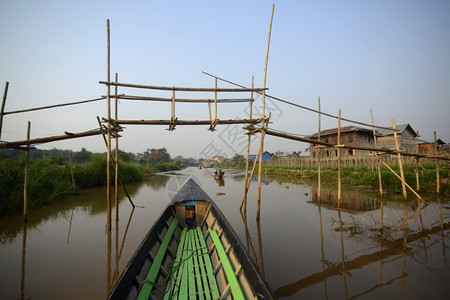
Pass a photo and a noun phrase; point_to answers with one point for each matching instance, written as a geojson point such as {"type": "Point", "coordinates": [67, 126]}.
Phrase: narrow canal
{"type": "Point", "coordinates": [370, 248]}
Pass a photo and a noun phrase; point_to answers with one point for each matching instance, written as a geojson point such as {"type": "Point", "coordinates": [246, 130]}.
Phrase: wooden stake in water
{"type": "Point", "coordinates": [417, 163]}
{"type": "Point", "coordinates": [2, 109]}
{"type": "Point", "coordinates": [116, 161]}
{"type": "Point", "coordinates": [339, 158]}
{"type": "Point", "coordinates": [258, 212]}
{"type": "Point", "coordinates": [437, 163]}
{"type": "Point", "coordinates": [400, 165]}
{"type": "Point", "coordinates": [108, 140]}
{"type": "Point", "coordinates": [248, 152]}
{"type": "Point", "coordinates": [25, 184]}
{"type": "Point", "coordinates": [319, 170]}
{"type": "Point", "coordinates": [378, 163]}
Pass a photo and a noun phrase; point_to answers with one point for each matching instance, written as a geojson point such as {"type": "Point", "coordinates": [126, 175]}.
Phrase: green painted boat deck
{"type": "Point", "coordinates": [192, 275]}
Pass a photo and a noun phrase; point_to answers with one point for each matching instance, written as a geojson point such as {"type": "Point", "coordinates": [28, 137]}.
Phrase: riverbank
{"type": "Point", "coordinates": [360, 175]}
{"type": "Point", "coordinates": [50, 179]}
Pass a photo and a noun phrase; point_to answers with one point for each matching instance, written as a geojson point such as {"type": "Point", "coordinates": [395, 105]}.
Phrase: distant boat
{"type": "Point", "coordinates": [191, 252]}
{"type": "Point", "coordinates": [219, 174]}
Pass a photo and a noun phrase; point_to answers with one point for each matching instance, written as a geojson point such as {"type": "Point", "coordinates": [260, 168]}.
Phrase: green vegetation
{"type": "Point", "coordinates": [50, 177]}
{"type": "Point", "coordinates": [367, 175]}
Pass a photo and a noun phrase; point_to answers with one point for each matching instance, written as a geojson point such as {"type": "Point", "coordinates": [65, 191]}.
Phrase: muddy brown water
{"type": "Point", "coordinates": [369, 248]}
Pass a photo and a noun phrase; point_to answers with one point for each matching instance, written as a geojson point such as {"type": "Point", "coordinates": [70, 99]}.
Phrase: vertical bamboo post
{"type": "Point", "coordinates": [417, 163]}
{"type": "Point", "coordinates": [319, 168]}
{"type": "Point", "coordinates": [116, 161]}
{"type": "Point", "coordinates": [2, 110]}
{"type": "Point", "coordinates": [25, 184]}
{"type": "Point", "coordinates": [258, 212]}
{"type": "Point", "coordinates": [108, 140]}
{"type": "Point", "coordinates": [339, 158]}
{"type": "Point", "coordinates": [248, 149]}
{"type": "Point", "coordinates": [215, 99]}
{"type": "Point", "coordinates": [437, 163]}
{"type": "Point", "coordinates": [71, 171]}
{"type": "Point", "coordinates": [378, 163]}
{"type": "Point", "coordinates": [400, 165]}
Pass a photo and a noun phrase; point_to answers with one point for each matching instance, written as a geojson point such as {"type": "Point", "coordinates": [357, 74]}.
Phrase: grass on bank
{"type": "Point", "coordinates": [49, 179]}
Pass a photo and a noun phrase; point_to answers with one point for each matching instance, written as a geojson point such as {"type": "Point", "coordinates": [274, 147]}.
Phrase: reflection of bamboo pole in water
{"type": "Point", "coordinates": [442, 228]}
{"type": "Point", "coordinates": [248, 238]}
{"type": "Point", "coordinates": [344, 273]}
{"type": "Point", "coordinates": [391, 250]}
{"type": "Point", "coordinates": [405, 240]}
{"type": "Point", "coordinates": [116, 251]}
{"type": "Point", "coordinates": [261, 259]}
{"type": "Point", "coordinates": [108, 261]}
{"type": "Point", "coordinates": [126, 231]}
{"type": "Point", "coordinates": [24, 251]}
{"type": "Point", "coordinates": [70, 227]}
{"type": "Point", "coordinates": [322, 250]}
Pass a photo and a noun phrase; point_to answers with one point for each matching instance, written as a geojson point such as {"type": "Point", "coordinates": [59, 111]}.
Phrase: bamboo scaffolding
{"type": "Point", "coordinates": [25, 184]}
{"type": "Point", "coordinates": [54, 106]}
{"type": "Point", "coordinates": [399, 156]}
{"type": "Point", "coordinates": [2, 109]}
{"type": "Point", "coordinates": [183, 89]}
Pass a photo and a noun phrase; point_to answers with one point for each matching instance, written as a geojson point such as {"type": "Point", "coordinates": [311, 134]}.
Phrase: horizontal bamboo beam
{"type": "Point", "coordinates": [185, 89]}
{"type": "Point", "coordinates": [383, 150]}
{"type": "Point", "coordinates": [51, 138]}
{"type": "Point", "coordinates": [186, 122]}
{"type": "Point", "coordinates": [143, 98]}
{"type": "Point", "coordinates": [52, 106]}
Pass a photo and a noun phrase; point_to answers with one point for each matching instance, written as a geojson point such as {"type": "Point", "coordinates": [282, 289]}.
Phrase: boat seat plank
{"type": "Point", "coordinates": [226, 264]}
{"type": "Point", "coordinates": [148, 284]}
{"type": "Point", "coordinates": [196, 265]}
{"type": "Point", "coordinates": [213, 288]}
{"type": "Point", "coordinates": [176, 266]}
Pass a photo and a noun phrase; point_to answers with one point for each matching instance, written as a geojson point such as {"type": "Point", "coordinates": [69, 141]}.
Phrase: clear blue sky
{"type": "Point", "coordinates": [391, 56]}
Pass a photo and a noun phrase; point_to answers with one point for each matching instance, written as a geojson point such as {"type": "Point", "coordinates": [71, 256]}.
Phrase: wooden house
{"type": "Point", "coordinates": [265, 157]}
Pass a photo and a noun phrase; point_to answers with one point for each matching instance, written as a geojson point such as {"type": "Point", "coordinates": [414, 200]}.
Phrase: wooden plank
{"type": "Point", "coordinates": [227, 267]}
{"type": "Point", "coordinates": [176, 266]}
{"type": "Point", "coordinates": [212, 280]}
{"type": "Point", "coordinates": [192, 292]}
{"type": "Point", "coordinates": [184, 275]}
{"type": "Point", "coordinates": [154, 269]}
{"type": "Point", "coordinates": [202, 268]}
{"type": "Point", "coordinates": [198, 275]}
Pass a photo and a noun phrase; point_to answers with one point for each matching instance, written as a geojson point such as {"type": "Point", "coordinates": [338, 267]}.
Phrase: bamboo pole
{"type": "Point", "coordinates": [417, 163]}
{"type": "Point", "coordinates": [108, 147]}
{"type": "Point", "coordinates": [248, 153]}
{"type": "Point", "coordinates": [437, 163]}
{"type": "Point", "coordinates": [319, 170]}
{"type": "Point", "coordinates": [247, 184]}
{"type": "Point", "coordinates": [182, 89]}
{"type": "Point", "coordinates": [215, 99]}
{"type": "Point", "coordinates": [53, 106]}
{"type": "Point", "coordinates": [187, 122]}
{"type": "Point", "coordinates": [339, 158]}
{"type": "Point", "coordinates": [71, 172]}
{"type": "Point", "coordinates": [187, 100]}
{"type": "Point", "coordinates": [378, 164]}
{"type": "Point", "coordinates": [258, 212]}
{"type": "Point", "coordinates": [2, 110]}
{"type": "Point", "coordinates": [116, 160]}
{"type": "Point", "coordinates": [25, 184]}
{"type": "Point", "coordinates": [403, 180]}
{"type": "Point", "coordinates": [400, 165]}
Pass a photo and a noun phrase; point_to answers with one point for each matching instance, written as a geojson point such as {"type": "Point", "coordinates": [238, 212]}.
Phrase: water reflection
{"type": "Point", "coordinates": [369, 246]}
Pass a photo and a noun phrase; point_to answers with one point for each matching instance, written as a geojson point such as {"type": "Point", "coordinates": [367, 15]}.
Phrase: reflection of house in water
{"type": "Point", "coordinates": [263, 180]}
{"type": "Point", "coordinates": [350, 201]}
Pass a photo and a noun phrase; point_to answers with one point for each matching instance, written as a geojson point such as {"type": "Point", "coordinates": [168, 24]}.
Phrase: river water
{"type": "Point", "coordinates": [369, 248]}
